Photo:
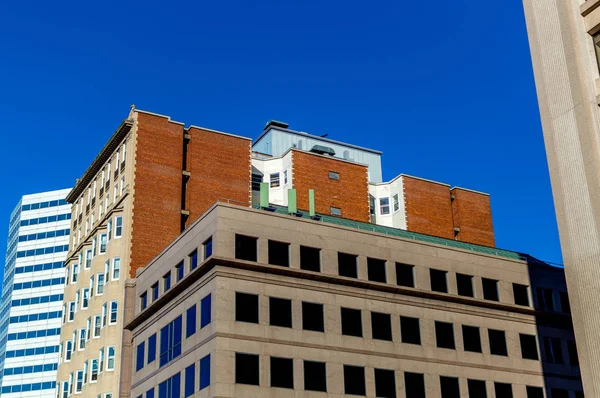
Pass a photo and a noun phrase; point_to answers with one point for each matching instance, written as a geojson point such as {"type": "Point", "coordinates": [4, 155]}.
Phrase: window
{"type": "Point", "coordinates": [102, 249]}
{"type": "Point", "coordinates": [405, 275]}
{"type": "Point", "coordinates": [528, 347]}
{"type": "Point", "coordinates": [104, 315]}
{"type": "Point", "coordinates": [100, 284]}
{"type": "Point", "coordinates": [396, 203]}
{"type": "Point", "coordinates": [376, 270]}
{"type": "Point", "coordinates": [246, 307]}
{"type": "Point", "coordinates": [246, 369]}
{"type": "Point", "coordinates": [207, 245]}
{"type": "Point", "coordinates": [77, 299]}
{"type": "Point", "coordinates": [279, 253]}
{"type": "Point", "coordinates": [464, 285]}
{"type": "Point", "coordinates": [553, 350]}
{"type": "Point", "coordinates": [385, 383]}
{"type": "Point", "coordinates": [335, 211]}
{"type": "Point", "coordinates": [85, 372]}
{"type": "Point", "coordinates": [92, 285]}
{"type": "Point", "coordinates": [88, 259]}
{"type": "Point", "coordinates": [144, 301]}
{"type": "Point", "coordinates": [94, 240]}
{"type": "Point", "coordinates": [559, 393]}
{"type": "Point", "coordinates": [497, 342]}
{"type": "Point", "coordinates": [179, 271]}
{"type": "Point", "coordinates": [414, 384]}
{"type": "Point", "coordinates": [109, 228]}
{"type": "Point", "coordinates": [170, 388]}
{"type": "Point", "coordinates": [79, 385]}
{"type": "Point", "coordinates": [205, 372]}
{"type": "Point", "coordinates": [170, 341]}
{"type": "Point", "coordinates": [256, 180]}
{"type": "Point", "coordinates": [410, 330]}
{"type": "Point", "coordinates": [351, 322]}
{"type": "Point", "coordinates": [282, 372]}
{"type": "Point", "coordinates": [572, 349]}
{"type": "Point", "coordinates": [334, 175]}
{"type": "Point", "coordinates": [94, 373]}
{"type": "Point", "coordinates": [347, 265]}
{"type": "Point", "coordinates": [315, 376]}
{"type": "Point", "coordinates": [280, 312]}
{"type": "Point", "coordinates": [190, 380]}
{"type": "Point", "coordinates": [521, 294]}
{"type": "Point", "coordinates": [471, 338]}
{"type": "Point", "coordinates": [116, 268]}
{"type": "Point", "coordinates": [310, 258]}
{"type": "Point", "coordinates": [68, 274]}
{"type": "Point", "coordinates": [193, 260]}
{"type": "Point", "coordinates": [82, 339]}
{"type": "Point", "coordinates": [88, 329]}
{"type": "Point", "coordinates": [544, 298]}
{"type": "Point", "coordinates": [490, 289]}
{"type": "Point", "coordinates": [101, 360]}
{"type": "Point", "coordinates": [381, 326]}
{"type": "Point", "coordinates": [477, 388]}
{"type": "Point", "coordinates": [154, 289]}
{"type": "Point", "coordinates": [97, 326]}
{"type": "Point", "coordinates": [190, 321]}
{"type": "Point", "coordinates": [274, 178]}
{"type": "Point", "coordinates": [450, 388]}
{"type": "Point", "coordinates": [114, 312]}
{"type": "Point", "coordinates": [86, 298]}
{"type": "Point", "coordinates": [75, 272]}
{"type": "Point", "coordinates": [118, 225]}
{"type": "Point", "coordinates": [438, 280]}
{"type": "Point", "coordinates": [354, 380]}
{"type": "Point", "coordinates": [68, 350]}
{"type": "Point", "coordinates": [565, 305]}
{"type": "Point", "coordinates": [285, 179]}
{"type": "Point", "coordinates": [110, 362]}
{"type": "Point", "coordinates": [122, 186]}
{"type": "Point", "coordinates": [152, 348]}
{"type": "Point", "coordinates": [166, 281]}
{"type": "Point", "coordinates": [444, 335]}
{"type": "Point", "coordinates": [205, 311]}
{"type": "Point", "coordinates": [384, 206]}
{"type": "Point", "coordinates": [246, 248]}
{"type": "Point", "coordinates": [312, 317]}
{"type": "Point", "coordinates": [535, 392]}
{"type": "Point", "coordinates": [71, 311]}
{"type": "Point", "coordinates": [71, 384]}
{"type": "Point", "coordinates": [106, 271]}
{"type": "Point", "coordinates": [503, 390]}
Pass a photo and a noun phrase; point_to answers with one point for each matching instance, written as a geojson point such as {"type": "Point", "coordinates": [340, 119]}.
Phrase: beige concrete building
{"type": "Point", "coordinates": [254, 303]}
{"type": "Point", "coordinates": [564, 38]}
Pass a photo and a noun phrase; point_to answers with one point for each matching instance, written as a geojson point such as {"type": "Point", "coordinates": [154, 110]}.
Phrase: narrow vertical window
{"type": "Point", "coordinates": [139, 357]}
{"type": "Point", "coordinates": [118, 226]}
{"type": "Point", "coordinates": [190, 321]}
{"type": "Point", "coordinates": [116, 268]}
{"type": "Point", "coordinates": [205, 311]}
{"type": "Point", "coordinates": [205, 372]}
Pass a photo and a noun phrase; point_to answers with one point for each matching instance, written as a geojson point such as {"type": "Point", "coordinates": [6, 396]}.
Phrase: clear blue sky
{"type": "Point", "coordinates": [444, 93]}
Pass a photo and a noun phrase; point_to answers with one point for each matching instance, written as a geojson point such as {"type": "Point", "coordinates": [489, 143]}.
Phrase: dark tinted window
{"type": "Point", "coordinates": [280, 312]}
{"type": "Point", "coordinates": [179, 271]}
{"type": "Point", "coordinates": [347, 265]}
{"type": "Point", "coordinates": [246, 369]}
{"type": "Point", "coordinates": [246, 307]}
{"type": "Point", "coordinates": [529, 347]}
{"type": "Point", "coordinates": [207, 248]}
{"type": "Point", "coordinates": [282, 372]}
{"type": "Point", "coordinates": [279, 253]}
{"type": "Point", "coordinates": [521, 294]}
{"type": "Point", "coordinates": [405, 275]}
{"type": "Point", "coordinates": [376, 270]}
{"type": "Point", "coordinates": [464, 285]}
{"type": "Point", "coordinates": [490, 289]}
{"type": "Point", "coordinates": [477, 389]}
{"type": "Point", "coordinates": [414, 384]}
{"type": "Point", "coordinates": [351, 322]}
{"type": "Point", "coordinates": [559, 393]}
{"type": "Point", "coordinates": [312, 317]}
{"type": "Point", "coordinates": [449, 387]}
{"type": "Point", "coordinates": [190, 321]}
{"type": "Point", "coordinates": [579, 394]}
{"type": "Point", "coordinates": [438, 280]}
{"type": "Point", "coordinates": [410, 330]}
{"type": "Point", "coordinates": [246, 247]}
{"type": "Point", "coordinates": [190, 380]}
{"type": "Point", "coordinates": [315, 376]}
{"type": "Point", "coordinates": [444, 335]}
{"type": "Point", "coordinates": [503, 390]}
{"type": "Point", "coordinates": [572, 348]}
{"type": "Point", "coordinates": [385, 383]}
{"type": "Point", "coordinates": [544, 299]}
{"type": "Point", "coordinates": [354, 380]}
{"type": "Point", "coordinates": [310, 258]}
{"type": "Point", "coordinates": [193, 260]}
{"type": "Point", "coordinates": [553, 350]}
{"type": "Point", "coordinates": [497, 342]}
{"type": "Point", "coordinates": [471, 338]}
{"type": "Point", "coordinates": [381, 326]}
{"type": "Point", "coordinates": [535, 392]}
{"type": "Point", "coordinates": [565, 305]}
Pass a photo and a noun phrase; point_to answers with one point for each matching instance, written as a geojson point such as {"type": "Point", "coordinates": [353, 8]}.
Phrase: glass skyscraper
{"type": "Point", "coordinates": [32, 295]}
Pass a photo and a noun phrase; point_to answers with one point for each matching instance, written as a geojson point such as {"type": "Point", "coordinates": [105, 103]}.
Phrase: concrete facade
{"type": "Point", "coordinates": [563, 37]}
{"type": "Point", "coordinates": [222, 273]}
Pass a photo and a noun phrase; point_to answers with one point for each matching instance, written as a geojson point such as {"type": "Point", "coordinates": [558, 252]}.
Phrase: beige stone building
{"type": "Point", "coordinates": [254, 303]}
{"type": "Point", "coordinates": [564, 37]}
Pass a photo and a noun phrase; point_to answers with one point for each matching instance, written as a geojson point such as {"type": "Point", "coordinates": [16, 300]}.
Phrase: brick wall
{"type": "Point", "coordinates": [157, 184]}
{"type": "Point", "coordinates": [473, 215]}
{"type": "Point", "coordinates": [350, 193]}
{"type": "Point", "coordinates": [428, 207]}
{"type": "Point", "coordinates": [220, 169]}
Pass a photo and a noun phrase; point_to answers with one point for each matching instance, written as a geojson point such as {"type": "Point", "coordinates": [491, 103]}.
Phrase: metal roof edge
{"type": "Point", "coordinates": [218, 132]}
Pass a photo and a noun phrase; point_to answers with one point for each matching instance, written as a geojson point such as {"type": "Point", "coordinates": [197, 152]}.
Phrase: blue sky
{"type": "Point", "coordinates": [445, 94]}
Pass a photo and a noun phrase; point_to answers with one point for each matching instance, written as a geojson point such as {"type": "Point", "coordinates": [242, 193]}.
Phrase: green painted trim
{"type": "Point", "coordinates": [264, 194]}
{"type": "Point", "coordinates": [292, 205]}
{"type": "Point", "coordinates": [311, 202]}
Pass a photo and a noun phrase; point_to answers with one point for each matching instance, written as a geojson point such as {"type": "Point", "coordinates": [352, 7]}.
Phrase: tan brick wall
{"type": "Point", "coordinates": [428, 207]}
{"type": "Point", "coordinates": [473, 215]}
{"type": "Point", "coordinates": [157, 184]}
{"type": "Point", "coordinates": [350, 193]}
{"type": "Point", "coordinates": [220, 169]}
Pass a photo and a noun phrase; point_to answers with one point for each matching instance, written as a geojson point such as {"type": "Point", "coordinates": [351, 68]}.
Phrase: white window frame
{"type": "Point", "coordinates": [122, 187]}
{"type": "Point", "coordinates": [86, 370]}
{"type": "Point", "coordinates": [118, 227]}
{"type": "Point", "coordinates": [92, 285]}
{"type": "Point", "coordinates": [71, 383]}
{"type": "Point", "coordinates": [88, 329]}
{"type": "Point", "coordinates": [100, 210]}
{"type": "Point", "coordinates": [64, 314]}
{"type": "Point", "coordinates": [116, 266]}
{"type": "Point", "coordinates": [115, 192]}
{"type": "Point", "coordinates": [92, 379]}
{"type": "Point", "coordinates": [106, 271]}
{"type": "Point", "coordinates": [60, 352]}
{"type": "Point", "coordinates": [74, 272]}
{"type": "Point", "coordinates": [383, 206]}
{"type": "Point", "coordinates": [274, 180]}
{"type": "Point", "coordinates": [109, 228]}
{"type": "Point", "coordinates": [82, 340]}
{"type": "Point", "coordinates": [101, 361]}
{"type": "Point", "coordinates": [68, 275]}
{"type": "Point", "coordinates": [92, 219]}
{"type": "Point", "coordinates": [105, 244]}
{"type": "Point", "coordinates": [85, 298]}
{"type": "Point", "coordinates": [116, 312]}
{"type": "Point", "coordinates": [78, 386]}
{"type": "Point", "coordinates": [77, 300]}
{"type": "Point", "coordinates": [68, 350]}
{"type": "Point", "coordinates": [396, 202]}
{"type": "Point", "coordinates": [110, 357]}
{"type": "Point", "coordinates": [104, 315]}
{"type": "Point", "coordinates": [97, 326]}
{"type": "Point", "coordinates": [88, 259]}
{"type": "Point", "coordinates": [285, 177]}
{"type": "Point", "coordinates": [94, 190]}
{"type": "Point", "coordinates": [100, 284]}
{"type": "Point", "coordinates": [71, 317]}
{"type": "Point", "coordinates": [94, 245]}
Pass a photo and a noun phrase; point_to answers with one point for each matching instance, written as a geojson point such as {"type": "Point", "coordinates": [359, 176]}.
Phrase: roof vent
{"type": "Point", "coordinates": [276, 123]}
{"type": "Point", "coordinates": [323, 150]}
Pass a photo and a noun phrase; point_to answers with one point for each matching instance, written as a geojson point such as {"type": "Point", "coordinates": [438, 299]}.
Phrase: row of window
{"type": "Point", "coordinates": [44, 235]}
{"type": "Point", "coordinates": [94, 368]}
{"type": "Point", "coordinates": [30, 369]}
{"type": "Point", "coordinates": [384, 205]}
{"type": "Point", "coordinates": [32, 351]}
{"type": "Point", "coordinates": [34, 334]}
{"type": "Point", "coordinates": [171, 335]}
{"type": "Point", "coordinates": [44, 205]}
{"type": "Point", "coordinates": [280, 314]}
{"type": "Point", "coordinates": [35, 317]}
{"type": "Point", "coordinates": [42, 251]}
{"type": "Point", "coordinates": [109, 316]}
{"type": "Point", "coordinates": [37, 300]}
{"type": "Point", "coordinates": [49, 385]}
{"type": "Point", "coordinates": [39, 267]}
{"type": "Point", "coordinates": [44, 220]}
{"type": "Point", "coordinates": [39, 283]}
{"type": "Point", "coordinates": [247, 371]}
{"type": "Point", "coordinates": [180, 272]}
{"type": "Point", "coordinates": [171, 388]}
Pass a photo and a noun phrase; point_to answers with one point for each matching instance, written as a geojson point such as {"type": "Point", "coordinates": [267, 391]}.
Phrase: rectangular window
{"type": "Point", "coordinates": [152, 348]}
{"type": "Point", "coordinates": [170, 388]}
{"type": "Point", "coordinates": [82, 339]}
{"type": "Point", "coordinates": [381, 326]}
{"type": "Point", "coordinates": [274, 178]}
{"type": "Point", "coordinates": [504, 390]}
{"type": "Point", "coordinates": [109, 227]}
{"type": "Point", "coordinates": [71, 311]}
{"type": "Point", "coordinates": [246, 247]}
{"type": "Point", "coordinates": [85, 372]}
{"type": "Point", "coordinates": [97, 326]}
{"type": "Point", "coordinates": [144, 301]}
{"type": "Point", "coordinates": [544, 298]}
{"type": "Point", "coordinates": [553, 350]}
{"type": "Point", "coordinates": [335, 211]}
{"type": "Point", "coordinates": [114, 313]}
{"type": "Point", "coordinates": [559, 393]}
{"type": "Point", "coordinates": [170, 341]}
{"type": "Point", "coordinates": [88, 329]}
{"type": "Point", "coordinates": [471, 338]}
{"type": "Point", "coordinates": [116, 268]}
{"type": "Point", "coordinates": [88, 259]}
{"type": "Point", "coordinates": [79, 381]}
{"type": "Point", "coordinates": [118, 226]}
{"type": "Point", "coordinates": [565, 305]}
{"type": "Point", "coordinates": [384, 206]}
{"type": "Point", "coordinates": [414, 384]}
{"type": "Point", "coordinates": [334, 175]}
{"type": "Point", "coordinates": [279, 253]}
{"type": "Point", "coordinates": [92, 285]}
{"type": "Point", "coordinates": [476, 388]}
{"type": "Point", "coordinates": [312, 317]}
{"type": "Point", "coordinates": [110, 362]}
{"type": "Point", "coordinates": [528, 346]}
{"type": "Point", "coordinates": [193, 257]}
{"type": "Point", "coordinates": [179, 271]}
{"type": "Point", "coordinates": [464, 285]}
{"type": "Point", "coordinates": [497, 342]}
{"type": "Point", "coordinates": [376, 270]}
{"type": "Point", "coordinates": [167, 281]}
{"type": "Point", "coordinates": [190, 321]}
{"type": "Point", "coordinates": [246, 369]}
{"type": "Point", "coordinates": [410, 330]}
{"type": "Point", "coordinates": [190, 380]}
{"type": "Point", "coordinates": [405, 275]}
{"type": "Point", "coordinates": [385, 383]}
{"type": "Point", "coordinates": [101, 360]}
{"type": "Point", "coordinates": [100, 284]}
{"type": "Point", "coordinates": [521, 294]}
{"type": "Point", "coordinates": [282, 372]}
{"type": "Point", "coordinates": [572, 349]}
{"type": "Point", "coordinates": [351, 322]}
{"type": "Point", "coordinates": [205, 372]}
{"type": "Point", "coordinates": [285, 179]}
{"type": "Point", "coordinates": [246, 307]}
{"type": "Point", "coordinates": [154, 289]}
{"type": "Point", "coordinates": [347, 265]}
{"type": "Point", "coordinates": [75, 273]}
{"type": "Point", "coordinates": [104, 315]}
{"type": "Point", "coordinates": [68, 350]}
{"type": "Point", "coordinates": [490, 289]}
{"type": "Point", "coordinates": [139, 356]}
{"type": "Point", "coordinates": [207, 245]}
{"type": "Point", "coordinates": [315, 376]}
{"type": "Point", "coordinates": [396, 203]}
{"type": "Point", "coordinates": [280, 312]}
{"type": "Point", "coordinates": [102, 249]}
{"type": "Point", "coordinates": [438, 280]}
{"type": "Point", "coordinates": [94, 373]}
{"type": "Point", "coordinates": [450, 388]}
{"type": "Point", "coordinates": [536, 392]}
{"type": "Point", "coordinates": [444, 335]}
{"type": "Point", "coordinates": [205, 311]}
{"type": "Point", "coordinates": [310, 258]}
{"type": "Point", "coordinates": [354, 380]}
